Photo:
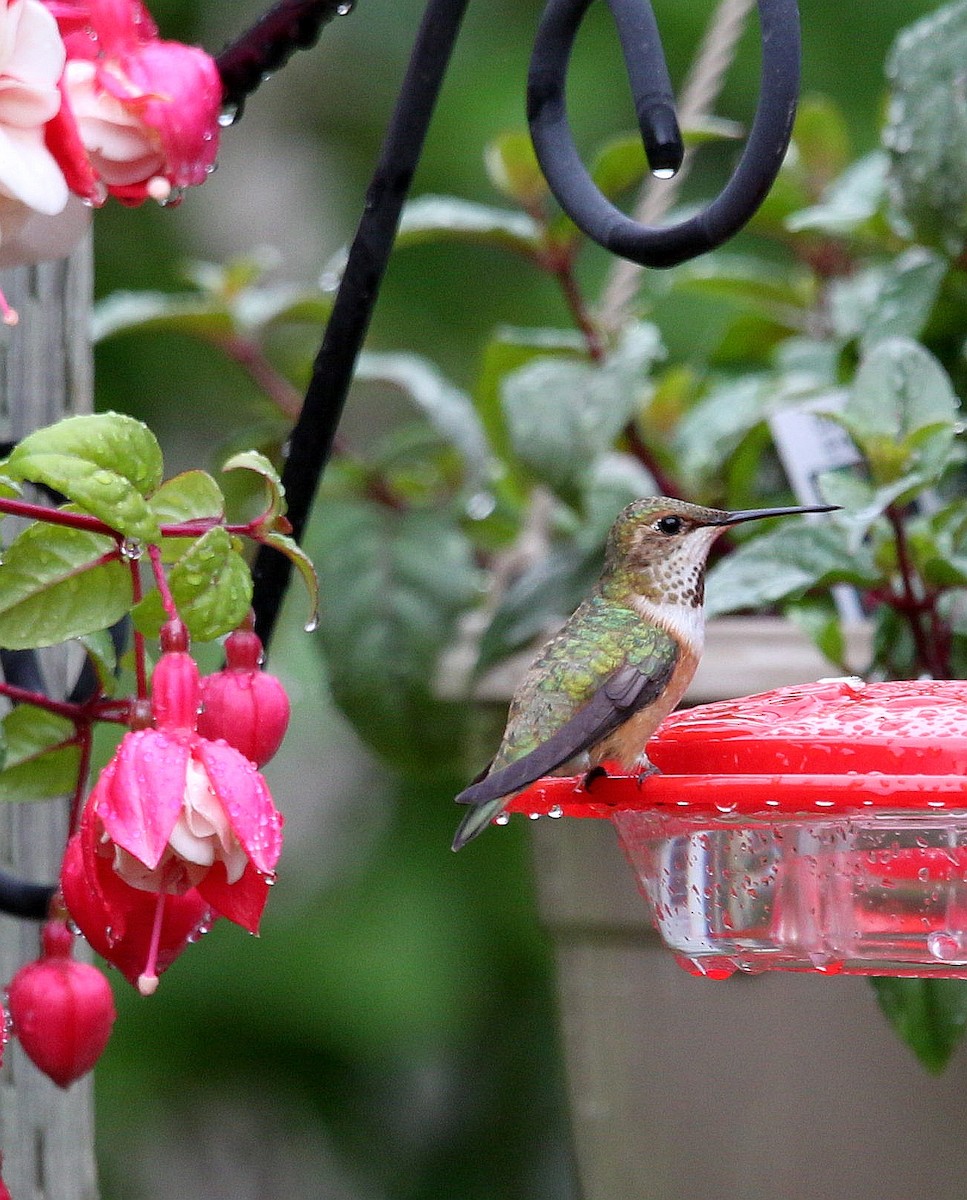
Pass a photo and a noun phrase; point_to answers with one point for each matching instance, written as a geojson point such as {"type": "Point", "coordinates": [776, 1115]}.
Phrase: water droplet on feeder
{"type": "Point", "coordinates": [555, 812]}
{"type": "Point", "coordinates": [945, 945]}
{"type": "Point", "coordinates": [502, 819]}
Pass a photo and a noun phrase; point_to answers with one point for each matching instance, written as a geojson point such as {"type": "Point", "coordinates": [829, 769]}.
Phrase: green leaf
{"type": "Point", "coordinates": [53, 587]}
{"type": "Point", "coordinates": [849, 203]}
{"type": "Point", "coordinates": [710, 432]}
{"type": "Point", "coordinates": [448, 409]}
{"type": "Point", "coordinates": [200, 316]}
{"type": "Point", "coordinates": [106, 464]}
{"type": "Point", "coordinates": [902, 412]}
{"type": "Point", "coordinates": [212, 589]}
{"type": "Point", "coordinates": [563, 415]}
{"type": "Point", "coordinates": [432, 219]}
{"type": "Point", "coordinates": [38, 765]}
{"type": "Point", "coordinates": [113, 441]}
{"type": "Point", "coordinates": [252, 460]}
{"type": "Point", "coordinates": [190, 496]}
{"type": "Point", "coordinates": [928, 1014]}
{"type": "Point", "coordinates": [509, 349]}
{"type": "Point", "coordinates": [394, 585]}
{"type": "Point", "coordinates": [818, 619]}
{"type": "Point", "coordinates": [785, 562]}
{"type": "Point", "coordinates": [513, 169]}
{"type": "Point", "coordinates": [821, 138]}
{"type": "Point", "coordinates": [926, 129]}
{"type": "Point", "coordinates": [303, 564]}
{"type": "Point", "coordinates": [782, 295]}
{"type": "Point", "coordinates": [906, 298]}
{"type": "Point", "coordinates": [102, 653]}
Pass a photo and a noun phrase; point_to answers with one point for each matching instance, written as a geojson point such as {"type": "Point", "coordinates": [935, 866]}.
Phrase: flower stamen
{"type": "Point", "coordinates": [148, 979]}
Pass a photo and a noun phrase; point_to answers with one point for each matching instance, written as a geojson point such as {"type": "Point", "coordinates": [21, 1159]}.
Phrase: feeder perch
{"type": "Point", "coordinates": [821, 827]}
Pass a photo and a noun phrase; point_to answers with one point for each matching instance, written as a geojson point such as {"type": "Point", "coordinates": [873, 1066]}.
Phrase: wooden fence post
{"type": "Point", "coordinates": [46, 1134]}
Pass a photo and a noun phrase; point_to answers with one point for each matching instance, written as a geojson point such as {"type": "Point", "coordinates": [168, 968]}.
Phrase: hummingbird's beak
{"type": "Point", "coordinates": [758, 514]}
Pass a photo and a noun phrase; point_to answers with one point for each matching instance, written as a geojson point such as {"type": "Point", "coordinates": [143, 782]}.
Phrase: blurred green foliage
{"type": "Point", "coordinates": [399, 1009]}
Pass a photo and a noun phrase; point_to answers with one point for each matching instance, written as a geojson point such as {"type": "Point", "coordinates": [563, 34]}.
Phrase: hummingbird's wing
{"type": "Point", "coordinates": [624, 692]}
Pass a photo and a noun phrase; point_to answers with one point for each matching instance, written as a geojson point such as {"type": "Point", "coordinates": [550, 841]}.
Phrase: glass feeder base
{"type": "Point", "coordinates": [882, 894]}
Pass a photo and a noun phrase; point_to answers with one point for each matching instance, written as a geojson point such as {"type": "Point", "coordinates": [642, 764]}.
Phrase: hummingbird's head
{"type": "Point", "coordinates": [658, 547]}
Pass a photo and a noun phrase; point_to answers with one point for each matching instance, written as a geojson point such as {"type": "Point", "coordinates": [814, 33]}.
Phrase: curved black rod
{"type": "Point", "coordinates": [28, 901]}
{"type": "Point", "coordinates": [311, 441]}
{"type": "Point", "coordinates": [267, 45]}
{"type": "Point", "coordinates": [572, 185]}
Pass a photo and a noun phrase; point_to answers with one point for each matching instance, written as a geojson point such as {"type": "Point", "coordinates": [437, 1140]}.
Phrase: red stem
{"type": "Point", "coordinates": [911, 605]}
{"type": "Point", "coordinates": [140, 664]}
{"type": "Point", "coordinates": [164, 591]}
{"type": "Point", "coordinates": [86, 742]}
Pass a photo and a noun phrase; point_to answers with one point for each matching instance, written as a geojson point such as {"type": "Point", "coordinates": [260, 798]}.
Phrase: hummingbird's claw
{"type": "Point", "coordinates": [645, 769]}
{"type": "Point", "coordinates": [591, 777]}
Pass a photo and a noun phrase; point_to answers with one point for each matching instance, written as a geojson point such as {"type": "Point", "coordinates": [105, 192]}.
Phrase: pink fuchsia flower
{"type": "Point", "coordinates": [62, 1011]}
{"type": "Point", "coordinates": [33, 188]}
{"type": "Point", "coordinates": [140, 115]}
{"type": "Point", "coordinates": [243, 704]}
{"type": "Point", "coordinates": [174, 813]}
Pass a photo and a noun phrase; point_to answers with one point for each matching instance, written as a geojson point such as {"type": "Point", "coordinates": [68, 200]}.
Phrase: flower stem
{"type": "Point", "coordinates": [911, 603]}
{"type": "Point", "coordinates": [140, 665]}
{"type": "Point", "coordinates": [248, 355]}
{"type": "Point", "coordinates": [161, 580]}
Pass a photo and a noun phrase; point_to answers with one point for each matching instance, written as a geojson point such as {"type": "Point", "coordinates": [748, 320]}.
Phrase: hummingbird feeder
{"type": "Point", "coordinates": [821, 827]}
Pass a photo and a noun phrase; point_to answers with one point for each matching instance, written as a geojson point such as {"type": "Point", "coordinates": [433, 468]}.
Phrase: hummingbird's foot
{"type": "Point", "coordinates": [645, 768]}
{"type": "Point", "coordinates": [591, 777]}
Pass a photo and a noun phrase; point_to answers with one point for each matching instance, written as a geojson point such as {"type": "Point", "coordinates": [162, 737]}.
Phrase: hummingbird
{"type": "Point", "coordinates": [622, 661]}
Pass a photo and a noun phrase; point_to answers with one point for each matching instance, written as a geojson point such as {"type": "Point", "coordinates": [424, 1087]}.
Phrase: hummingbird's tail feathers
{"type": "Point", "coordinates": [622, 693]}
{"type": "Point", "coordinates": [476, 821]}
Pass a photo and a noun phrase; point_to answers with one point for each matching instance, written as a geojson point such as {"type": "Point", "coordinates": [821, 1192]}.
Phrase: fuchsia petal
{"type": "Point", "coordinates": [64, 142]}
{"type": "Point", "coordinates": [117, 919]}
{"type": "Point", "coordinates": [140, 793]}
{"type": "Point", "coordinates": [241, 902]}
{"type": "Point", "coordinates": [183, 96]}
{"type": "Point", "coordinates": [245, 796]}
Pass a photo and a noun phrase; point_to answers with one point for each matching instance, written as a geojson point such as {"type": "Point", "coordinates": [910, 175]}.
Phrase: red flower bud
{"type": "Point", "coordinates": [62, 1010]}
{"type": "Point", "coordinates": [242, 704]}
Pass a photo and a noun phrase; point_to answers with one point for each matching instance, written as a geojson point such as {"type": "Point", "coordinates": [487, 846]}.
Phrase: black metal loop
{"type": "Point", "coordinates": [659, 246]}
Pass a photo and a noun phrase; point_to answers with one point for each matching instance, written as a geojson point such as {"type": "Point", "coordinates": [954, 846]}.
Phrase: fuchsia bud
{"type": "Point", "coordinates": [242, 704]}
{"type": "Point", "coordinates": [62, 1010]}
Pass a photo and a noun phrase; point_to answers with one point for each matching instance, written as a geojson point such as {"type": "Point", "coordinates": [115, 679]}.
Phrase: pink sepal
{"type": "Point", "coordinates": [141, 791]}
{"type": "Point", "coordinates": [242, 901]}
{"type": "Point", "coordinates": [244, 795]}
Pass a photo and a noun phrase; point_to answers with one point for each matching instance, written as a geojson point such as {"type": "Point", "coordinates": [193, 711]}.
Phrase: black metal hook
{"type": "Point", "coordinates": [659, 246]}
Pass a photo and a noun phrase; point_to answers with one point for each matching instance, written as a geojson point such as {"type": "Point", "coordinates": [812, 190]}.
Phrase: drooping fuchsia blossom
{"type": "Point", "coordinates": [172, 814]}
{"type": "Point", "coordinates": [140, 115]}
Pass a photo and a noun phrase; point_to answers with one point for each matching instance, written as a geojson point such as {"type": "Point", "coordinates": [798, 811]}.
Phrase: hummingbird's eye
{"type": "Point", "coordinates": [669, 525]}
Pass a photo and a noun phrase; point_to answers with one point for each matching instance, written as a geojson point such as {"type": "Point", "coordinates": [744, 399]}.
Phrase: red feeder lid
{"type": "Point", "coordinates": [839, 744]}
